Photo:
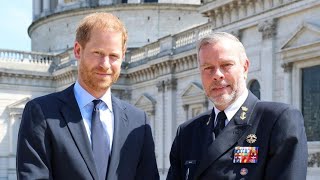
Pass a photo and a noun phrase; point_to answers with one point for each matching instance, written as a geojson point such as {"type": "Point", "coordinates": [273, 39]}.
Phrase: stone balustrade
{"type": "Point", "coordinates": [170, 43]}
{"type": "Point", "coordinates": [144, 52]}
{"type": "Point", "coordinates": [25, 57]}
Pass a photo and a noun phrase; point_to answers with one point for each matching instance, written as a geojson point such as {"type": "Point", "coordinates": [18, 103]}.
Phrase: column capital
{"type": "Point", "coordinates": [171, 84]}
{"type": "Point", "coordinates": [236, 33]}
{"type": "Point", "coordinates": [268, 28]}
{"type": "Point", "coordinates": [160, 86]}
{"type": "Point", "coordinates": [287, 67]}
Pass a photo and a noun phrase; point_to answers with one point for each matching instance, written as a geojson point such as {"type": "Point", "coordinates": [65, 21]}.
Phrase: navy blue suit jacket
{"type": "Point", "coordinates": [280, 138]}
{"type": "Point", "coordinates": [53, 143]}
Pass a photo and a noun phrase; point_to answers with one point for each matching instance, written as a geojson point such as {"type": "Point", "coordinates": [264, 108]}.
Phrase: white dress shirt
{"type": "Point", "coordinates": [84, 100]}
{"type": "Point", "coordinates": [231, 110]}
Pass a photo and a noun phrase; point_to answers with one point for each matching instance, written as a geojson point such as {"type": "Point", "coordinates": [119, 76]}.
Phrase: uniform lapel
{"type": "Point", "coordinates": [119, 137]}
{"type": "Point", "coordinates": [235, 129]}
{"type": "Point", "coordinates": [73, 119]}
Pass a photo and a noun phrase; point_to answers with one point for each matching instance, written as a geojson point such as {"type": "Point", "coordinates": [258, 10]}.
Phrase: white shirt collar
{"type": "Point", "coordinates": [83, 97]}
{"type": "Point", "coordinates": [231, 110]}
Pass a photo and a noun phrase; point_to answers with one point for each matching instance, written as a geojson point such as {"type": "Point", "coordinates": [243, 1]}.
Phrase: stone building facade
{"type": "Point", "coordinates": [159, 74]}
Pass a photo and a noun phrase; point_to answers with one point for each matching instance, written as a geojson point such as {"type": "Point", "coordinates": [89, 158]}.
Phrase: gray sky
{"type": "Point", "coordinates": [15, 18]}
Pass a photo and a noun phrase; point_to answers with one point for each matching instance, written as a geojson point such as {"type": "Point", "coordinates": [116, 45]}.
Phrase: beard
{"type": "Point", "coordinates": [90, 80]}
{"type": "Point", "coordinates": [224, 99]}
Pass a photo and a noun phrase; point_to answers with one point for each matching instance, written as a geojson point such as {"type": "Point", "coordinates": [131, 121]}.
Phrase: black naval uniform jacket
{"type": "Point", "coordinates": [278, 130]}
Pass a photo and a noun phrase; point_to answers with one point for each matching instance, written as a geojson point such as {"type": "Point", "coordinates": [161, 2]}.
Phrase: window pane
{"type": "Point", "coordinates": [311, 101]}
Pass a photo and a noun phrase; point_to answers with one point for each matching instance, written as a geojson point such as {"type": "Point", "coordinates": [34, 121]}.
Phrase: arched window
{"type": "Point", "coordinates": [255, 88]}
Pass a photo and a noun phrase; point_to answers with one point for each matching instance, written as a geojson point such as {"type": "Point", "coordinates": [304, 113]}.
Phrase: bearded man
{"type": "Point", "coordinates": [84, 132]}
{"type": "Point", "coordinates": [242, 137]}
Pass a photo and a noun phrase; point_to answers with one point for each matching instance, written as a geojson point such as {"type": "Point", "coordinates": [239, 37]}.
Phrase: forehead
{"type": "Point", "coordinates": [221, 51]}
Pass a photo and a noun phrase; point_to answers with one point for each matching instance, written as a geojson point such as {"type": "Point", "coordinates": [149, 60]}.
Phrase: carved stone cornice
{"type": "Point", "coordinates": [268, 28]}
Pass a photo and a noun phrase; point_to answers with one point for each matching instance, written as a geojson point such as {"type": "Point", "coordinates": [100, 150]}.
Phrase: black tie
{"type": "Point", "coordinates": [221, 118]}
{"type": "Point", "coordinates": [100, 142]}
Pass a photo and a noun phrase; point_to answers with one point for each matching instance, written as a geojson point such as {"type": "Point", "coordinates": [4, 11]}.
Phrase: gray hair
{"type": "Point", "coordinates": [217, 37]}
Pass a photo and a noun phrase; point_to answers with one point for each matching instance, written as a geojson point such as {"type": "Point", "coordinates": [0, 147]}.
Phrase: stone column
{"type": "Point", "coordinates": [250, 7]}
{"type": "Point", "coordinates": [160, 129]}
{"type": "Point", "coordinates": [268, 31]}
{"type": "Point", "coordinates": [169, 118]}
{"type": "Point", "coordinates": [218, 14]}
{"type": "Point", "coordinates": [242, 9]}
{"type": "Point", "coordinates": [259, 6]}
{"type": "Point", "coordinates": [226, 14]}
{"type": "Point", "coordinates": [287, 80]}
{"type": "Point", "coordinates": [60, 5]}
{"type": "Point", "coordinates": [105, 2]}
{"type": "Point", "coordinates": [36, 9]}
{"type": "Point", "coordinates": [46, 7]}
{"type": "Point", "coordinates": [234, 12]}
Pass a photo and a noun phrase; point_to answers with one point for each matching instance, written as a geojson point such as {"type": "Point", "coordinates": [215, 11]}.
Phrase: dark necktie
{"type": "Point", "coordinates": [100, 142]}
{"type": "Point", "coordinates": [221, 118]}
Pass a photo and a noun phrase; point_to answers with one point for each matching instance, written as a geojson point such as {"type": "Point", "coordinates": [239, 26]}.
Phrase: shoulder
{"type": "Point", "coordinates": [52, 100]}
{"type": "Point", "coordinates": [198, 120]}
{"type": "Point", "coordinates": [275, 108]}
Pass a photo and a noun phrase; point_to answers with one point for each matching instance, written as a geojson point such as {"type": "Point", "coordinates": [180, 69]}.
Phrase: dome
{"type": "Point", "coordinates": [54, 22]}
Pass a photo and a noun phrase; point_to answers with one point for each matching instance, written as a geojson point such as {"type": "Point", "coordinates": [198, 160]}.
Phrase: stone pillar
{"type": "Point", "coordinates": [287, 80]}
{"type": "Point", "coordinates": [105, 2]}
{"type": "Point", "coordinates": [60, 5]}
{"type": "Point", "coordinates": [259, 6]}
{"type": "Point", "coordinates": [226, 14]}
{"type": "Point", "coordinates": [268, 31]}
{"type": "Point", "coordinates": [218, 17]}
{"type": "Point", "coordinates": [46, 7]}
{"type": "Point", "coordinates": [159, 132]}
{"type": "Point", "coordinates": [36, 9]}
{"type": "Point", "coordinates": [169, 118]}
{"type": "Point", "coordinates": [250, 7]}
{"type": "Point", "coordinates": [242, 9]}
{"type": "Point", "coordinates": [234, 12]}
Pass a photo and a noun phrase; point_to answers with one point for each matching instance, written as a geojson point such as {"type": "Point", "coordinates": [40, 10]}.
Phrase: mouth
{"type": "Point", "coordinates": [102, 74]}
{"type": "Point", "coordinates": [218, 88]}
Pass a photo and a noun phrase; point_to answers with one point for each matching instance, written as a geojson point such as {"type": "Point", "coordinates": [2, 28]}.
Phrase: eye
{"type": "Point", "coordinates": [227, 65]}
{"type": "Point", "coordinates": [97, 53]}
{"type": "Point", "coordinates": [114, 56]}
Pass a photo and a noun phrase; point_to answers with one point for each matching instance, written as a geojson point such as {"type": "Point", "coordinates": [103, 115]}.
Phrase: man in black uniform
{"type": "Point", "coordinates": [242, 137]}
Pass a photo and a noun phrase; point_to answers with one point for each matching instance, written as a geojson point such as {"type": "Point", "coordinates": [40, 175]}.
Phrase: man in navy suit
{"type": "Point", "coordinates": [84, 132]}
{"type": "Point", "coordinates": [242, 137]}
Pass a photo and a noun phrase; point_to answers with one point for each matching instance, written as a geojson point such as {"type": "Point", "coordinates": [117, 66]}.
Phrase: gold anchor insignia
{"type": "Point", "coordinates": [251, 138]}
{"type": "Point", "coordinates": [243, 115]}
{"type": "Point", "coordinates": [244, 108]}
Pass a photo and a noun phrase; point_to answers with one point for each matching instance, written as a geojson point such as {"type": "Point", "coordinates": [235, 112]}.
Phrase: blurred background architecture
{"type": "Point", "coordinates": [159, 73]}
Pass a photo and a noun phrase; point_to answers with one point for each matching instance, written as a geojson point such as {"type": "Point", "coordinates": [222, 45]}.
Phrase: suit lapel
{"type": "Point", "coordinates": [119, 137]}
{"type": "Point", "coordinates": [235, 129]}
{"type": "Point", "coordinates": [73, 119]}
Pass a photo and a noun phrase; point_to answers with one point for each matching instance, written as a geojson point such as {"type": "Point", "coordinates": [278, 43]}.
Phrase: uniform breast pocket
{"type": "Point", "coordinates": [189, 169]}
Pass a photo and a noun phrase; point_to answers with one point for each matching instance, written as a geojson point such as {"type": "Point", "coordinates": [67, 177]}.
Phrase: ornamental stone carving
{"type": "Point", "coordinates": [268, 28]}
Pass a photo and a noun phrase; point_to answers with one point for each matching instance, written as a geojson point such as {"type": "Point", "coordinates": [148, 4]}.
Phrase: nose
{"type": "Point", "coordinates": [218, 74]}
{"type": "Point", "coordinates": [106, 62]}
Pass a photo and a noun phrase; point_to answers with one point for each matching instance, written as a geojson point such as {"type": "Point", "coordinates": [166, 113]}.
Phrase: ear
{"type": "Point", "coordinates": [77, 50]}
{"type": "Point", "coordinates": [246, 68]}
{"type": "Point", "coordinates": [124, 54]}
